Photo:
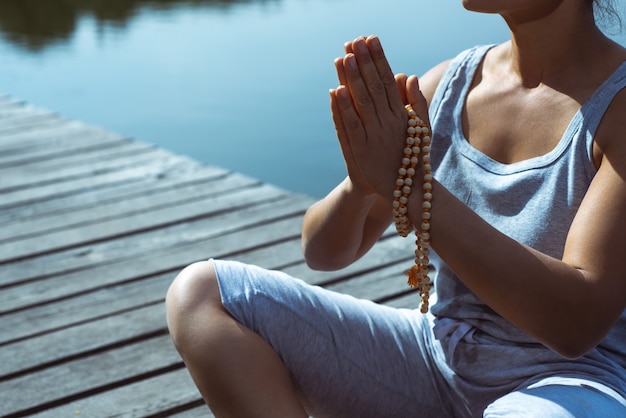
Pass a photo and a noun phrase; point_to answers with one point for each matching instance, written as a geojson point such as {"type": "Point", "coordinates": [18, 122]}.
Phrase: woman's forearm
{"type": "Point", "coordinates": [542, 295]}
{"type": "Point", "coordinates": [340, 228]}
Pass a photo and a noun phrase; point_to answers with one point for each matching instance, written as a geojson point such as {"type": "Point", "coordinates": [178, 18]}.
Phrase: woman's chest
{"type": "Point", "coordinates": [510, 125]}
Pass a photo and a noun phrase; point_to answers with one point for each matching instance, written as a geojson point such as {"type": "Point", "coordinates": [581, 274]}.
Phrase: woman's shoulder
{"type": "Point", "coordinates": [432, 78]}
{"type": "Point", "coordinates": [610, 136]}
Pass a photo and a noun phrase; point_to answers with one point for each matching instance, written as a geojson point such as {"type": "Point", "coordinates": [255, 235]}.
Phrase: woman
{"type": "Point", "coordinates": [529, 159]}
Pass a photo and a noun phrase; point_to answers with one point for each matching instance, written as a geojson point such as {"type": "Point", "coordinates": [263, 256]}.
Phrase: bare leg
{"type": "Point", "coordinates": [236, 371]}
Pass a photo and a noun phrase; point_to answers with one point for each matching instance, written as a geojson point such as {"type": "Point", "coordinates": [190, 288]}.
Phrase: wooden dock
{"type": "Point", "coordinates": [93, 228]}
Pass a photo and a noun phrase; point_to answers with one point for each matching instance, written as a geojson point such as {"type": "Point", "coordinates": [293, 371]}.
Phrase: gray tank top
{"type": "Point", "coordinates": [533, 201]}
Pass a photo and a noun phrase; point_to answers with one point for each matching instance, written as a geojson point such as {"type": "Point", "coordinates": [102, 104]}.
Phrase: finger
{"type": "Point", "coordinates": [384, 72]}
{"type": "Point", "coordinates": [342, 136]}
{"type": "Point", "coordinates": [348, 45]}
{"type": "Point", "coordinates": [348, 126]}
{"type": "Point", "coordinates": [341, 73]}
{"type": "Point", "coordinates": [358, 90]}
{"type": "Point", "coordinates": [401, 85]}
{"type": "Point", "coordinates": [336, 116]}
{"type": "Point", "coordinates": [349, 119]}
{"type": "Point", "coordinates": [374, 86]}
{"type": "Point", "coordinates": [417, 99]}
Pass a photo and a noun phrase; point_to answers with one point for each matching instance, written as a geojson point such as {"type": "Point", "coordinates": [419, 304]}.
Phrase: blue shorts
{"type": "Point", "coordinates": [354, 358]}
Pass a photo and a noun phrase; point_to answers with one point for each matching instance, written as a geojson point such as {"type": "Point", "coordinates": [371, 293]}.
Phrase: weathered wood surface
{"type": "Point", "coordinates": [93, 228]}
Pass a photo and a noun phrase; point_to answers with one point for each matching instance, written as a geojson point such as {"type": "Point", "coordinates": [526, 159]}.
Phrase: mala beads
{"type": "Point", "coordinates": [417, 141]}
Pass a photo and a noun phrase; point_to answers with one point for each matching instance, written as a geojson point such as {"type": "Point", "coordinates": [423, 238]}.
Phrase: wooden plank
{"type": "Point", "coordinates": [94, 227]}
{"type": "Point", "coordinates": [124, 359]}
{"type": "Point", "coordinates": [60, 221]}
{"type": "Point", "coordinates": [107, 229]}
{"type": "Point", "coordinates": [69, 327]}
{"type": "Point", "coordinates": [6, 100]}
{"type": "Point", "coordinates": [28, 138]}
{"type": "Point", "coordinates": [29, 122]}
{"type": "Point", "coordinates": [103, 301]}
{"type": "Point", "coordinates": [164, 181]}
{"type": "Point", "coordinates": [380, 284]}
{"type": "Point", "coordinates": [99, 303]}
{"type": "Point", "coordinates": [71, 160]}
{"type": "Point", "coordinates": [76, 283]}
{"type": "Point", "coordinates": [81, 384]}
{"type": "Point", "coordinates": [82, 377]}
{"type": "Point", "coordinates": [78, 166]}
{"type": "Point", "coordinates": [93, 181]}
{"type": "Point", "coordinates": [182, 233]}
{"type": "Point", "coordinates": [154, 396]}
{"type": "Point", "coordinates": [88, 336]}
{"type": "Point", "coordinates": [53, 288]}
{"type": "Point", "coordinates": [55, 130]}
{"type": "Point", "coordinates": [197, 412]}
{"type": "Point", "coordinates": [40, 145]}
{"type": "Point", "coordinates": [389, 250]}
{"type": "Point", "coordinates": [151, 177]}
{"type": "Point", "coordinates": [81, 339]}
{"type": "Point", "coordinates": [19, 115]}
{"type": "Point", "coordinates": [12, 110]}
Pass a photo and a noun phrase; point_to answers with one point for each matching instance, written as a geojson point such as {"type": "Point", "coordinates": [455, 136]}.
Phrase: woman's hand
{"type": "Point", "coordinates": [370, 117]}
{"type": "Point", "coordinates": [344, 225]}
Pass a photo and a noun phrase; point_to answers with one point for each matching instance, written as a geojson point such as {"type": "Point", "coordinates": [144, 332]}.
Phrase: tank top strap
{"type": "Point", "coordinates": [593, 109]}
{"type": "Point", "coordinates": [458, 77]}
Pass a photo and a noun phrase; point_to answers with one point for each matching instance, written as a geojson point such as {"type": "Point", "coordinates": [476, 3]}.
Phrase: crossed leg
{"type": "Point", "coordinates": [236, 371]}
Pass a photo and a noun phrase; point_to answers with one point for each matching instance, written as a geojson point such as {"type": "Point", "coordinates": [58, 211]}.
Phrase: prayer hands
{"type": "Point", "coordinates": [370, 117]}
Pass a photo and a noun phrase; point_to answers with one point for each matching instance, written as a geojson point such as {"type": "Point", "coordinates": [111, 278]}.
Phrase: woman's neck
{"type": "Point", "coordinates": [544, 48]}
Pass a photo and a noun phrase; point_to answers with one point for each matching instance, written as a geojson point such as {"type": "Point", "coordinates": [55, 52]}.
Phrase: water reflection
{"type": "Point", "coordinates": [34, 25]}
{"type": "Point", "coordinates": [178, 73]}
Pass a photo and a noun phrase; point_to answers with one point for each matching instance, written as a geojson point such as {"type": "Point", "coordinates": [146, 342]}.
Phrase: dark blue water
{"type": "Point", "coordinates": [243, 85]}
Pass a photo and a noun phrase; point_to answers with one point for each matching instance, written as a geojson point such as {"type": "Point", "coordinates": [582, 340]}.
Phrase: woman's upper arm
{"type": "Point", "coordinates": [430, 80]}
{"type": "Point", "coordinates": [596, 242]}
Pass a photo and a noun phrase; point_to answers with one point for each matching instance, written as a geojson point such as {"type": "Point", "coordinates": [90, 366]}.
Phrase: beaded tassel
{"type": "Point", "coordinates": [417, 141]}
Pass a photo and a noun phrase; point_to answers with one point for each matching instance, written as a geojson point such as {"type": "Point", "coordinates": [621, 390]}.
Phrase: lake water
{"type": "Point", "coordinates": [238, 84]}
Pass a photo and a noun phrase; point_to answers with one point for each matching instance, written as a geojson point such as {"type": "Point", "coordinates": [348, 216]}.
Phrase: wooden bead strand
{"type": "Point", "coordinates": [417, 141]}
{"type": "Point", "coordinates": [406, 172]}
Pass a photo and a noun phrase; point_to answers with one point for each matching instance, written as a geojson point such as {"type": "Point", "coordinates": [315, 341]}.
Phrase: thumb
{"type": "Point", "coordinates": [401, 84]}
{"type": "Point", "coordinates": [416, 98]}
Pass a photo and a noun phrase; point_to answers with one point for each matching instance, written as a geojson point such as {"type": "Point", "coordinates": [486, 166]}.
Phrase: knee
{"type": "Point", "coordinates": [193, 294]}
